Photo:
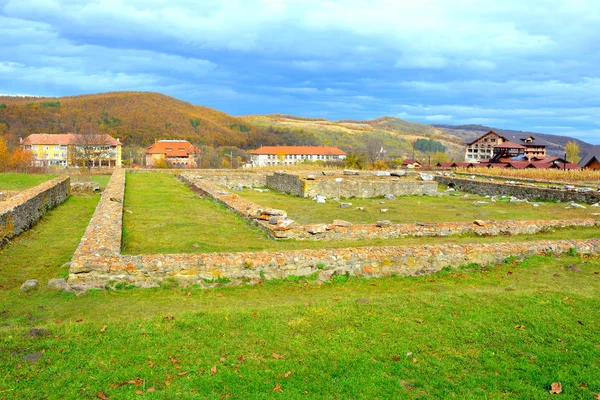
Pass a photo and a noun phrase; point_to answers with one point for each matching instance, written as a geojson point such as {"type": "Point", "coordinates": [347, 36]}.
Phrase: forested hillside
{"type": "Point", "coordinates": [137, 119]}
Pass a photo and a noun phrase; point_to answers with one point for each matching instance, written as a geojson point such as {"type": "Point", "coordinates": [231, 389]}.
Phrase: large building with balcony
{"type": "Point", "coordinates": [69, 149]}
{"type": "Point", "coordinates": [172, 153]}
{"type": "Point", "coordinates": [292, 155]}
{"type": "Point", "coordinates": [491, 144]}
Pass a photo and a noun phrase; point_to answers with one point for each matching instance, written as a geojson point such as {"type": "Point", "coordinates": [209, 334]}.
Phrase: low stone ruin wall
{"type": "Point", "coordinates": [22, 210]}
{"type": "Point", "coordinates": [521, 191]}
{"type": "Point", "coordinates": [97, 261]}
{"type": "Point", "coordinates": [6, 194]}
{"type": "Point", "coordinates": [349, 186]}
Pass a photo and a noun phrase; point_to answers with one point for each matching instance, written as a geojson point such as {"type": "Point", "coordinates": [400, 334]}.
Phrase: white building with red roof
{"type": "Point", "coordinates": [292, 155]}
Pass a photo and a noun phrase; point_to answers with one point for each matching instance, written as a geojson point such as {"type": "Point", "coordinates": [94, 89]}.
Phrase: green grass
{"type": "Point", "coordinates": [19, 181]}
{"type": "Point", "coordinates": [411, 209]}
{"type": "Point", "coordinates": [56, 237]}
{"type": "Point", "coordinates": [168, 218]}
{"type": "Point", "coordinates": [347, 338]}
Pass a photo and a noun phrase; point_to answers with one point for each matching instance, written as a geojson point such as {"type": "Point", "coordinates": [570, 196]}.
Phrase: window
{"type": "Point", "coordinates": [33, 147]}
{"type": "Point", "coordinates": [56, 147]}
{"type": "Point", "coordinates": [46, 147]}
{"type": "Point", "coordinates": [169, 149]}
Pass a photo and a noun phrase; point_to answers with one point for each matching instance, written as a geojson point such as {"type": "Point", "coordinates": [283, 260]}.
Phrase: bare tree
{"type": "Point", "coordinates": [91, 148]}
{"type": "Point", "coordinates": [374, 149]}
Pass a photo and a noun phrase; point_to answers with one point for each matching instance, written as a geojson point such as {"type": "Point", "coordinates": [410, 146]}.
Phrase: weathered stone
{"type": "Point", "coordinates": [116, 200]}
{"type": "Point", "coordinates": [399, 172]}
{"type": "Point", "coordinates": [339, 222]}
{"type": "Point", "coordinates": [479, 222]}
{"type": "Point", "coordinates": [275, 212]}
{"type": "Point", "coordinates": [390, 197]}
{"type": "Point", "coordinates": [382, 173]}
{"type": "Point", "coordinates": [85, 187]}
{"type": "Point", "coordinates": [575, 205]}
{"type": "Point", "coordinates": [480, 203]}
{"type": "Point", "coordinates": [33, 357]}
{"type": "Point", "coordinates": [29, 285]}
{"type": "Point", "coordinates": [37, 332]}
{"type": "Point", "coordinates": [361, 209]}
{"type": "Point", "coordinates": [383, 223]}
{"type": "Point", "coordinates": [320, 199]}
{"type": "Point", "coordinates": [573, 268]}
{"type": "Point", "coordinates": [426, 177]}
{"type": "Point", "coordinates": [345, 205]}
{"type": "Point", "coordinates": [275, 219]}
{"type": "Point", "coordinates": [384, 210]}
{"type": "Point", "coordinates": [58, 284]}
{"type": "Point", "coordinates": [316, 228]}
{"type": "Point", "coordinates": [310, 177]}
{"type": "Point", "coordinates": [351, 172]}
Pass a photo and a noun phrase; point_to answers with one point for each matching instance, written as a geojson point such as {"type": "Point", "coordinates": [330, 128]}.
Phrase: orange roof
{"type": "Point", "coordinates": [66, 139]}
{"type": "Point", "coordinates": [509, 145]}
{"type": "Point", "coordinates": [173, 148]}
{"type": "Point", "coordinates": [290, 150]}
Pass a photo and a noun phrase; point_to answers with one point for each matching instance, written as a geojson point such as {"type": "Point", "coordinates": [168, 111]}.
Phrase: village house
{"type": "Point", "coordinates": [489, 145]}
{"type": "Point", "coordinates": [411, 164]}
{"type": "Point", "coordinates": [172, 153]}
{"type": "Point", "coordinates": [69, 149]}
{"type": "Point", "coordinates": [591, 160]}
{"type": "Point", "coordinates": [291, 155]}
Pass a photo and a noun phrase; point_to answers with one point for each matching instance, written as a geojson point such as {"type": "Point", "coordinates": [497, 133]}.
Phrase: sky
{"type": "Point", "coordinates": [530, 65]}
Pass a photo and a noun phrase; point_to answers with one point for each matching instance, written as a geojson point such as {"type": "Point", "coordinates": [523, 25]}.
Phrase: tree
{"type": "Point", "coordinates": [572, 151]}
{"type": "Point", "coordinates": [355, 161]}
{"type": "Point", "coordinates": [439, 157]}
{"type": "Point", "coordinates": [90, 148]}
{"type": "Point", "coordinates": [373, 149]}
{"type": "Point", "coordinates": [4, 155]}
{"type": "Point", "coordinates": [20, 159]}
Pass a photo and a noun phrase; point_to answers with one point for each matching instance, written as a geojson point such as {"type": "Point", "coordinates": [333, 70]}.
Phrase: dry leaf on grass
{"type": "Point", "coordinates": [277, 389]}
{"type": "Point", "coordinates": [102, 396]}
{"type": "Point", "coordinates": [213, 370]}
{"type": "Point", "coordinates": [555, 388]}
{"type": "Point", "coordinates": [277, 356]}
{"type": "Point", "coordinates": [287, 374]}
{"type": "Point", "coordinates": [103, 329]}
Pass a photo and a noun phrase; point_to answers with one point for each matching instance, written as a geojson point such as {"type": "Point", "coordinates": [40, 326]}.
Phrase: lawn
{"type": "Point", "coordinates": [164, 216]}
{"type": "Point", "coordinates": [506, 331]}
{"type": "Point", "coordinates": [501, 332]}
{"type": "Point", "coordinates": [19, 181]}
{"type": "Point", "coordinates": [453, 207]}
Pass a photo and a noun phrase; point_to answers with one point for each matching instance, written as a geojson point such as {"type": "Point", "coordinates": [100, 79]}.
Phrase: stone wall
{"type": "Point", "coordinates": [537, 193]}
{"type": "Point", "coordinates": [349, 186]}
{"type": "Point", "coordinates": [22, 210]}
{"type": "Point", "coordinates": [97, 261]}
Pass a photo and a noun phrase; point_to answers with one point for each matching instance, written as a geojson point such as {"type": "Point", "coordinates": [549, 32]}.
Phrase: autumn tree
{"type": "Point", "coordinates": [4, 155]}
{"type": "Point", "coordinates": [439, 157]}
{"type": "Point", "coordinates": [572, 151]}
{"type": "Point", "coordinates": [20, 159]}
{"type": "Point", "coordinates": [374, 149]}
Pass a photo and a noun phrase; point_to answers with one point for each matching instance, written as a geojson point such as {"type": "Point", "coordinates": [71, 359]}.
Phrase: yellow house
{"type": "Point", "coordinates": [68, 149]}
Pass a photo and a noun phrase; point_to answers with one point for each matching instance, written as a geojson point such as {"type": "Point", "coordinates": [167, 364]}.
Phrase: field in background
{"type": "Point", "coordinates": [578, 177]}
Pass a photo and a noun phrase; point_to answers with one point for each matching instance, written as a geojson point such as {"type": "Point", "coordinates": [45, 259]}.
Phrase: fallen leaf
{"type": "Point", "coordinates": [188, 293]}
{"type": "Point", "coordinates": [519, 327]}
{"type": "Point", "coordinates": [414, 360]}
{"type": "Point", "coordinates": [242, 358]}
{"type": "Point", "coordinates": [173, 360]}
{"type": "Point", "coordinates": [151, 390]}
{"type": "Point", "coordinates": [213, 370]}
{"type": "Point", "coordinates": [219, 295]}
{"type": "Point", "coordinates": [58, 321]}
{"type": "Point", "coordinates": [287, 374]}
{"type": "Point", "coordinates": [396, 358]}
{"type": "Point", "coordinates": [167, 383]}
{"type": "Point", "coordinates": [139, 392]}
{"type": "Point", "coordinates": [183, 373]}
{"type": "Point", "coordinates": [583, 385]}
{"type": "Point", "coordinates": [79, 320]}
{"type": "Point", "coordinates": [566, 298]}
{"type": "Point", "coordinates": [277, 356]}
{"type": "Point", "coordinates": [222, 359]}
{"type": "Point", "coordinates": [277, 389]}
{"type": "Point", "coordinates": [151, 364]}
{"type": "Point", "coordinates": [555, 388]}
{"type": "Point", "coordinates": [420, 321]}
{"type": "Point", "coordinates": [580, 322]}
{"type": "Point", "coordinates": [336, 298]}
{"type": "Point", "coordinates": [455, 315]}
{"type": "Point", "coordinates": [103, 329]}
{"type": "Point", "coordinates": [254, 314]}
{"type": "Point", "coordinates": [102, 396]}
{"type": "Point", "coordinates": [169, 318]}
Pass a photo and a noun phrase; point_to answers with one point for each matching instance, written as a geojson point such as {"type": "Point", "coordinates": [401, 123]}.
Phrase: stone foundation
{"type": "Point", "coordinates": [23, 209]}
{"type": "Point", "coordinates": [347, 186]}
{"type": "Point", "coordinates": [97, 260]}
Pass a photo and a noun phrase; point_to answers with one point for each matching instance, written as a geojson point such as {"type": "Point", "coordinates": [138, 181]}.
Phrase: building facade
{"type": "Point", "coordinates": [172, 153]}
{"type": "Point", "coordinates": [484, 147]}
{"type": "Point", "coordinates": [292, 155]}
{"type": "Point", "coordinates": [70, 150]}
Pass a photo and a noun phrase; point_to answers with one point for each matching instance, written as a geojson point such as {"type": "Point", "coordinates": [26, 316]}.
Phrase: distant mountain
{"type": "Point", "coordinates": [555, 144]}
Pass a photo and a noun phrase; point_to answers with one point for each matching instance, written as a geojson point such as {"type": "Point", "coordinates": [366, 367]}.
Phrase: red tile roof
{"type": "Point", "coordinates": [66, 139]}
{"type": "Point", "coordinates": [173, 148]}
{"type": "Point", "coordinates": [406, 162]}
{"type": "Point", "coordinates": [509, 145]}
{"type": "Point", "coordinates": [304, 150]}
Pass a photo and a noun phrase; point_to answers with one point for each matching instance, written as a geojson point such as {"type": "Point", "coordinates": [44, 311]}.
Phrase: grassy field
{"type": "Point", "coordinates": [410, 209]}
{"type": "Point", "coordinates": [166, 217]}
{"type": "Point", "coordinates": [506, 331]}
{"type": "Point", "coordinates": [501, 332]}
{"type": "Point", "coordinates": [19, 181]}
{"type": "Point", "coordinates": [577, 177]}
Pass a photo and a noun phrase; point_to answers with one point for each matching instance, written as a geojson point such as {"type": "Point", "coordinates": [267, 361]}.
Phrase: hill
{"type": "Point", "coordinates": [136, 118]}
{"type": "Point", "coordinates": [395, 135]}
{"type": "Point", "coordinates": [555, 144]}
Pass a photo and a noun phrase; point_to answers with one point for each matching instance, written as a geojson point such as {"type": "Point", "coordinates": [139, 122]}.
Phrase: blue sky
{"type": "Point", "coordinates": [515, 64]}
